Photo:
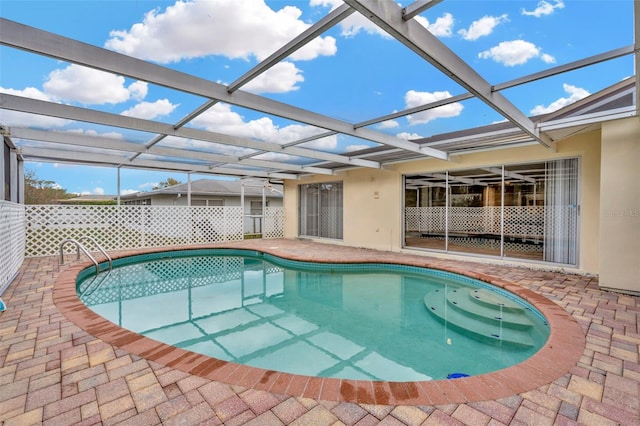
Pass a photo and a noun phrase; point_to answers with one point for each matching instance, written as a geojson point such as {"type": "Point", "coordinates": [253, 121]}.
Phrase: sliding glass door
{"type": "Point", "coordinates": [321, 210]}
{"type": "Point", "coordinates": [527, 211]}
{"type": "Point", "coordinates": [474, 219]}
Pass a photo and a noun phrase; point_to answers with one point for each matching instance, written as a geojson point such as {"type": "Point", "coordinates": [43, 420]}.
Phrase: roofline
{"type": "Point", "coordinates": [182, 188]}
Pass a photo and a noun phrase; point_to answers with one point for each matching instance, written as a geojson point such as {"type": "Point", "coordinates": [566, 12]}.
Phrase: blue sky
{"type": "Point", "coordinates": [352, 72]}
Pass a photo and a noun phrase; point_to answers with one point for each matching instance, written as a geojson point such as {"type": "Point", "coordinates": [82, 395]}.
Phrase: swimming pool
{"type": "Point", "coordinates": [351, 321]}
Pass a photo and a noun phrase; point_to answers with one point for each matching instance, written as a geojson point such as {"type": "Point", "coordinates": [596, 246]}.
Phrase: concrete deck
{"type": "Point", "coordinates": [59, 364]}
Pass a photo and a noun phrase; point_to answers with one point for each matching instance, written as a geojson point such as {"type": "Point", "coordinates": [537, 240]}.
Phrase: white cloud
{"type": "Point", "coordinates": [148, 185]}
{"type": "Point", "coordinates": [29, 92]}
{"type": "Point", "coordinates": [233, 28]}
{"type": "Point", "coordinates": [95, 191]}
{"type": "Point", "coordinates": [414, 99]}
{"type": "Point", "coordinates": [352, 148]}
{"type": "Point", "coordinates": [357, 23]}
{"type": "Point", "coordinates": [482, 27]}
{"type": "Point", "coordinates": [205, 146]}
{"type": "Point", "coordinates": [222, 119]}
{"type": "Point", "coordinates": [275, 156]}
{"type": "Point", "coordinates": [89, 86]}
{"type": "Point", "coordinates": [544, 8]}
{"type": "Point", "coordinates": [575, 94]}
{"type": "Point", "coordinates": [515, 52]}
{"type": "Point", "coordinates": [91, 132]}
{"type": "Point", "coordinates": [21, 119]}
{"type": "Point", "coordinates": [128, 191]}
{"type": "Point", "coordinates": [389, 124]}
{"type": "Point", "coordinates": [151, 110]}
{"type": "Point", "coordinates": [280, 78]}
{"type": "Point", "coordinates": [326, 3]}
{"type": "Point", "coordinates": [409, 136]}
{"type": "Point", "coordinates": [548, 58]}
{"type": "Point", "coordinates": [442, 27]}
{"type": "Point", "coordinates": [327, 143]}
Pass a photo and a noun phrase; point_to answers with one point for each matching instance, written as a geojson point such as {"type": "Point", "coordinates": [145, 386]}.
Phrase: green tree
{"type": "Point", "coordinates": [167, 183]}
{"type": "Point", "coordinates": [40, 191]}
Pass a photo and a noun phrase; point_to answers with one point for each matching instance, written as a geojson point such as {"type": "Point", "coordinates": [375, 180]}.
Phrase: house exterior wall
{"type": "Point", "coordinates": [619, 250]}
{"type": "Point", "coordinates": [373, 198]}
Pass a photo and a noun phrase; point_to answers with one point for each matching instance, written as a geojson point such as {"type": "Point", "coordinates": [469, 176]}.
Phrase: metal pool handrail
{"type": "Point", "coordinates": [103, 251]}
{"type": "Point", "coordinates": [80, 247]}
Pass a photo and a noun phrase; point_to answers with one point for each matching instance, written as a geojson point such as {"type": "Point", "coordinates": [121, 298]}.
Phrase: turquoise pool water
{"type": "Point", "coordinates": [363, 321]}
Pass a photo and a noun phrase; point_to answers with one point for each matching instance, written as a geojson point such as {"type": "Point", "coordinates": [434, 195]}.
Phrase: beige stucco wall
{"type": "Point", "coordinates": [373, 197]}
{"type": "Point", "coordinates": [619, 248]}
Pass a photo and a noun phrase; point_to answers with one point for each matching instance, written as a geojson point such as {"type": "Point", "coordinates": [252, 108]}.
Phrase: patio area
{"type": "Point", "coordinates": [52, 371]}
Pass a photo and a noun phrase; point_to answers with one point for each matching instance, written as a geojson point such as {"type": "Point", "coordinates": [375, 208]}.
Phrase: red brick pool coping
{"type": "Point", "coordinates": [561, 352]}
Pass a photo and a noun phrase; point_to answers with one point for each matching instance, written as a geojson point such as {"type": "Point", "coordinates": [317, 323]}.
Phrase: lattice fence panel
{"type": "Point", "coordinates": [47, 226]}
{"type": "Point", "coordinates": [273, 222]}
{"type": "Point", "coordinates": [128, 227]}
{"type": "Point", "coordinates": [12, 241]}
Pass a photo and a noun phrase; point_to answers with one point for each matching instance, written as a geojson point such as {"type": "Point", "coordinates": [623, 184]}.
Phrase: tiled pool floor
{"type": "Point", "coordinates": [52, 371]}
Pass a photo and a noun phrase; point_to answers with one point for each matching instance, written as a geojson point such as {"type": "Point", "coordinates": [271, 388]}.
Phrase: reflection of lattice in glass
{"type": "Point", "coordinates": [519, 222]}
{"type": "Point", "coordinates": [128, 227]}
{"type": "Point", "coordinates": [12, 241]}
{"type": "Point", "coordinates": [525, 222]}
{"type": "Point", "coordinates": [428, 220]}
{"type": "Point", "coordinates": [273, 222]}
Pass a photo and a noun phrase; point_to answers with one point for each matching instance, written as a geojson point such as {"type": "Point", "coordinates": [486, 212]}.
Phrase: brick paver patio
{"type": "Point", "coordinates": [53, 371]}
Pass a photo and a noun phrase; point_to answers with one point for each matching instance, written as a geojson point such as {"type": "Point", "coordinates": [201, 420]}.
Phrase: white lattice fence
{"type": "Point", "coordinates": [12, 241]}
{"type": "Point", "coordinates": [128, 227]}
{"type": "Point", "coordinates": [273, 222]}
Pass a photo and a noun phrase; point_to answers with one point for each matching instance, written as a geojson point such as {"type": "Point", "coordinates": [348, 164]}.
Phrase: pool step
{"type": "Point", "coordinates": [482, 314]}
{"type": "Point", "coordinates": [489, 307]}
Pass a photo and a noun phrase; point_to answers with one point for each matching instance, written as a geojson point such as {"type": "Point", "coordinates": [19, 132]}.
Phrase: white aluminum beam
{"type": "Point", "coordinates": [602, 57]}
{"type": "Point", "coordinates": [588, 119]}
{"type": "Point", "coordinates": [388, 16]}
{"type": "Point", "coordinates": [417, 8]}
{"type": "Point", "coordinates": [571, 66]}
{"type": "Point", "coordinates": [69, 138]}
{"type": "Point", "coordinates": [18, 103]}
{"type": "Point", "coordinates": [419, 108]}
{"type": "Point", "coordinates": [333, 18]}
{"type": "Point", "coordinates": [75, 157]}
{"type": "Point", "coordinates": [311, 33]}
{"type": "Point", "coordinates": [41, 42]}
